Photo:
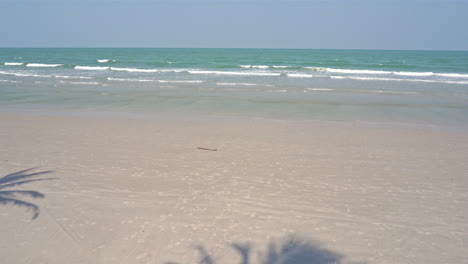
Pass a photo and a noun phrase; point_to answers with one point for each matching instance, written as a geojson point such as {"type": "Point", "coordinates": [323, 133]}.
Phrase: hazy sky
{"type": "Point", "coordinates": [330, 24]}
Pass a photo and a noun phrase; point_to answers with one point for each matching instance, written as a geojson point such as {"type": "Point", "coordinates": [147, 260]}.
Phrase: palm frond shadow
{"type": "Point", "coordinates": [292, 250]}
{"type": "Point", "coordinates": [20, 178]}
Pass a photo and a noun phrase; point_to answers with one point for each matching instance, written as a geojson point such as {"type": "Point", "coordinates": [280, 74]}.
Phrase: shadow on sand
{"type": "Point", "coordinates": [17, 179]}
{"type": "Point", "coordinates": [292, 250]}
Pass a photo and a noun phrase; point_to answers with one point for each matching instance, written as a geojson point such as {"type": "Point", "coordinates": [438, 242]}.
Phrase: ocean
{"type": "Point", "coordinates": [420, 88]}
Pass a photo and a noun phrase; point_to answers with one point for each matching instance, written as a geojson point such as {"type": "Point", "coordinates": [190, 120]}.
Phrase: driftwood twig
{"type": "Point", "coordinates": [210, 149]}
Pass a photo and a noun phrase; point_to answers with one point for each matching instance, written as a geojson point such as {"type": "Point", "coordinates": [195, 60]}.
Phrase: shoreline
{"type": "Point", "coordinates": [140, 190]}
{"type": "Point", "coordinates": [183, 116]}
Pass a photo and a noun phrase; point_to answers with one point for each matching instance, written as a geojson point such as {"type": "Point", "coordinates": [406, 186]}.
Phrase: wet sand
{"type": "Point", "coordinates": [142, 191]}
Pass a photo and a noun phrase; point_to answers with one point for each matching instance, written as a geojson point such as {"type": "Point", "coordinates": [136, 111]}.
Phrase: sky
{"type": "Point", "coordinates": [309, 24]}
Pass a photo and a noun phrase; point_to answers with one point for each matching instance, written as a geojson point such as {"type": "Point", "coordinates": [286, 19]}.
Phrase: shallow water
{"type": "Point", "coordinates": [411, 87]}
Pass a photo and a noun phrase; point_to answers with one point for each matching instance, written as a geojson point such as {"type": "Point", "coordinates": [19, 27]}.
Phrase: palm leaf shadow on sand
{"type": "Point", "coordinates": [20, 178]}
{"type": "Point", "coordinates": [292, 250]}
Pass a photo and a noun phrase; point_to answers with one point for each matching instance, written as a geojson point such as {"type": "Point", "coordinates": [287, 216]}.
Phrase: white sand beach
{"type": "Point", "coordinates": [141, 191]}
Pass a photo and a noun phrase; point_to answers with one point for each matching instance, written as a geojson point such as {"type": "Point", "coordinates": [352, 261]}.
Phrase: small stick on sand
{"type": "Point", "coordinates": [210, 149]}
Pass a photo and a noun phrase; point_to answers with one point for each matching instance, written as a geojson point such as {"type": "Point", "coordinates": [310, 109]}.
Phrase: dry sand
{"type": "Point", "coordinates": [139, 191]}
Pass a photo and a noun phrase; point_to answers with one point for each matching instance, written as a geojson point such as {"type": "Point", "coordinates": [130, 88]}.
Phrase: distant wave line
{"type": "Point", "coordinates": [397, 79]}
{"type": "Point", "coordinates": [87, 83]}
{"type": "Point", "coordinates": [400, 73]}
{"type": "Point", "coordinates": [153, 80]}
{"type": "Point", "coordinates": [234, 73]}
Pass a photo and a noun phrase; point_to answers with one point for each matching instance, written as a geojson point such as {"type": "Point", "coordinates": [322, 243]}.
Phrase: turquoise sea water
{"type": "Point", "coordinates": [408, 87]}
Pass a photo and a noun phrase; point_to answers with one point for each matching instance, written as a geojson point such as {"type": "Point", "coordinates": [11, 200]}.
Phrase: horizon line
{"type": "Point", "coordinates": [130, 47]}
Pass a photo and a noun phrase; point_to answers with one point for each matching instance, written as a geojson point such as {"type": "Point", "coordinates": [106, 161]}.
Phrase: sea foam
{"type": "Point", "coordinates": [398, 80]}
{"type": "Point", "coordinates": [43, 65]}
{"type": "Point", "coordinates": [237, 84]}
{"type": "Point", "coordinates": [235, 73]}
{"type": "Point", "coordinates": [453, 75]}
{"type": "Point", "coordinates": [260, 66]}
{"type": "Point", "coordinates": [180, 81]}
{"type": "Point", "coordinates": [153, 80]}
{"type": "Point", "coordinates": [91, 68]}
{"type": "Point", "coordinates": [72, 77]}
{"type": "Point", "coordinates": [320, 89]}
{"type": "Point", "coordinates": [415, 74]}
{"type": "Point", "coordinates": [81, 83]}
{"type": "Point", "coordinates": [396, 73]}
{"type": "Point", "coordinates": [355, 71]}
{"type": "Point", "coordinates": [301, 75]}
{"type": "Point", "coordinates": [134, 70]}
{"type": "Point", "coordinates": [13, 63]}
{"type": "Point", "coordinates": [130, 80]}
{"type": "Point", "coordinates": [21, 74]}
{"type": "Point", "coordinates": [254, 66]}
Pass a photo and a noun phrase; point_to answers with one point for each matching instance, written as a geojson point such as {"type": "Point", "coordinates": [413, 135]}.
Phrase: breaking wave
{"type": "Point", "coordinates": [91, 68]}
{"type": "Point", "coordinates": [134, 70]}
{"type": "Point", "coordinates": [235, 73]}
{"type": "Point", "coordinates": [13, 63]}
{"type": "Point", "coordinates": [43, 65]}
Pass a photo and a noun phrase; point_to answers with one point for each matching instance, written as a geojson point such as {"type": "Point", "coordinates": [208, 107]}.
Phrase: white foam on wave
{"type": "Point", "coordinates": [235, 73]}
{"type": "Point", "coordinates": [301, 75]}
{"type": "Point", "coordinates": [415, 74]}
{"type": "Point", "coordinates": [452, 75]}
{"type": "Point", "coordinates": [6, 73]}
{"type": "Point", "coordinates": [172, 70]}
{"type": "Point", "coordinates": [254, 66]}
{"type": "Point", "coordinates": [134, 70]}
{"type": "Point", "coordinates": [72, 77]}
{"type": "Point", "coordinates": [180, 81]}
{"type": "Point", "coordinates": [260, 66]}
{"type": "Point", "coordinates": [103, 60]}
{"type": "Point", "coordinates": [130, 80]}
{"type": "Point", "coordinates": [456, 82]}
{"type": "Point", "coordinates": [338, 77]}
{"type": "Point", "coordinates": [9, 81]}
{"type": "Point", "coordinates": [398, 79]}
{"type": "Point", "coordinates": [355, 71]}
{"type": "Point", "coordinates": [373, 79]}
{"type": "Point", "coordinates": [20, 74]}
{"type": "Point", "coordinates": [319, 69]}
{"type": "Point", "coordinates": [153, 80]}
{"type": "Point", "coordinates": [319, 89]}
{"type": "Point", "coordinates": [41, 76]}
{"type": "Point", "coordinates": [360, 91]}
{"type": "Point", "coordinates": [347, 71]}
{"type": "Point", "coordinates": [397, 73]}
{"type": "Point", "coordinates": [43, 65]}
{"type": "Point", "coordinates": [91, 68]}
{"type": "Point", "coordinates": [13, 63]}
{"type": "Point", "coordinates": [280, 66]}
{"type": "Point", "coordinates": [236, 84]}
{"type": "Point", "coordinates": [394, 92]}
{"type": "Point", "coordinates": [81, 83]}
